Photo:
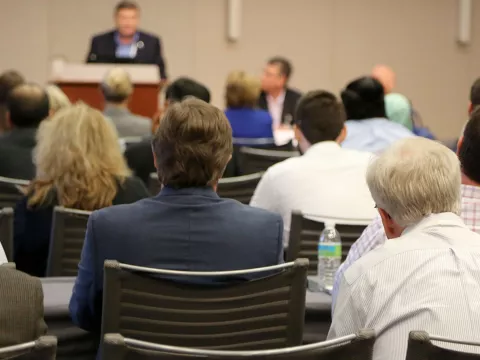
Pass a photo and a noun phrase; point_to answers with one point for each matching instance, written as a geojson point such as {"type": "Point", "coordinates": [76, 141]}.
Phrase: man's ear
{"type": "Point", "coordinates": [470, 108]}
{"type": "Point", "coordinates": [388, 224]}
{"type": "Point", "coordinates": [154, 158]}
{"type": "Point", "coordinates": [459, 144]}
{"type": "Point", "coordinates": [343, 135]}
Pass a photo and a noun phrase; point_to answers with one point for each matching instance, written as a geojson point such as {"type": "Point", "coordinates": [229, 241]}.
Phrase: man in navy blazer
{"type": "Point", "coordinates": [126, 44]}
{"type": "Point", "coordinates": [187, 226]}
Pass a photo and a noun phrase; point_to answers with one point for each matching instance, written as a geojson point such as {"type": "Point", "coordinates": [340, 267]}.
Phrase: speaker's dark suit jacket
{"type": "Point", "coordinates": [149, 50]}
{"type": "Point", "coordinates": [190, 229]}
{"type": "Point", "coordinates": [289, 104]}
{"type": "Point", "coordinates": [16, 148]}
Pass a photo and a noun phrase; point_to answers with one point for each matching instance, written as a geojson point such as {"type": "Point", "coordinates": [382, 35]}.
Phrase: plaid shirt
{"type": "Point", "coordinates": [374, 234]}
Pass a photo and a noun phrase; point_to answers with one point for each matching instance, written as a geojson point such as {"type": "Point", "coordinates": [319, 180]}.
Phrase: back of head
{"type": "Point", "coordinates": [319, 116]}
{"type": "Point", "coordinates": [184, 87]}
{"type": "Point", "coordinates": [469, 151]}
{"type": "Point", "coordinates": [192, 145]}
{"type": "Point", "coordinates": [78, 155]}
{"type": "Point", "coordinates": [117, 86]}
{"type": "Point", "coordinates": [398, 109]}
{"type": "Point", "coordinates": [386, 76]}
{"type": "Point", "coordinates": [27, 105]}
{"type": "Point", "coordinates": [475, 94]}
{"type": "Point", "coordinates": [57, 98]}
{"type": "Point", "coordinates": [8, 80]}
{"type": "Point", "coordinates": [242, 90]}
{"type": "Point", "coordinates": [414, 178]}
{"type": "Point", "coordinates": [363, 98]}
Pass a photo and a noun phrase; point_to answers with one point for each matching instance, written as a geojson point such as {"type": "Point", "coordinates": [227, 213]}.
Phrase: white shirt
{"type": "Point", "coordinates": [275, 108]}
{"type": "Point", "coordinates": [3, 257]}
{"type": "Point", "coordinates": [427, 279]}
{"type": "Point", "coordinates": [327, 181]}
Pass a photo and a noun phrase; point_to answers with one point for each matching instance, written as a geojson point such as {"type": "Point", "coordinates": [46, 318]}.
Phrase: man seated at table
{"type": "Point", "coordinates": [327, 180]}
{"type": "Point", "coordinates": [427, 275]}
{"type": "Point", "coordinates": [187, 226]}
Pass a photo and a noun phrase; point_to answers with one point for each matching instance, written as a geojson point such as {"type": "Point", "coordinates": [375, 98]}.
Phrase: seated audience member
{"type": "Point", "coordinates": [185, 227]}
{"type": "Point", "coordinates": [117, 89]}
{"type": "Point", "coordinates": [8, 80]}
{"type": "Point", "coordinates": [399, 110]}
{"type": "Point", "coordinates": [469, 154]}
{"type": "Point", "coordinates": [368, 128]}
{"type": "Point", "coordinates": [21, 307]}
{"type": "Point", "coordinates": [276, 96]}
{"type": "Point", "coordinates": [139, 156]}
{"type": "Point", "coordinates": [27, 106]}
{"type": "Point", "coordinates": [427, 275]}
{"type": "Point", "coordinates": [249, 125]}
{"type": "Point", "coordinates": [327, 180]}
{"type": "Point", "coordinates": [386, 76]}
{"type": "Point", "coordinates": [57, 98]}
{"type": "Point", "coordinates": [79, 165]}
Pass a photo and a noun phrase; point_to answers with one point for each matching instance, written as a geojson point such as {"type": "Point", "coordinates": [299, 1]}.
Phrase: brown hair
{"type": "Point", "coordinates": [192, 145]}
{"type": "Point", "coordinates": [126, 4]}
{"type": "Point", "coordinates": [242, 90]}
{"type": "Point", "coordinates": [8, 80]}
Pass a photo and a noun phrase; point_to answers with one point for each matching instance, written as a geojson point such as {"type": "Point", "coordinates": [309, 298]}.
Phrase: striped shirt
{"type": "Point", "coordinates": [427, 279]}
{"type": "Point", "coordinates": [374, 235]}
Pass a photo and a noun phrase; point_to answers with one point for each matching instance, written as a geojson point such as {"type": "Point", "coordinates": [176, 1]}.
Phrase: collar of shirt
{"type": "Point", "coordinates": [118, 42]}
{"type": "Point", "coordinates": [323, 148]}
{"type": "Point", "coordinates": [279, 100]}
{"type": "Point", "coordinates": [435, 220]}
{"type": "Point", "coordinates": [275, 108]}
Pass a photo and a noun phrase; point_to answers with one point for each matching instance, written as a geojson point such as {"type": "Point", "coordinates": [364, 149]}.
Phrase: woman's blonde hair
{"type": "Point", "coordinates": [57, 98]}
{"type": "Point", "coordinates": [242, 90]}
{"type": "Point", "coordinates": [77, 156]}
{"type": "Point", "coordinates": [117, 85]}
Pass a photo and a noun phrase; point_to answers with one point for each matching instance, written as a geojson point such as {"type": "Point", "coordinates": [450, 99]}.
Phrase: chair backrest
{"type": "Point", "coordinates": [44, 348]}
{"type": "Point", "coordinates": [254, 142]}
{"type": "Point", "coordinates": [9, 265]}
{"type": "Point", "coordinates": [265, 313]}
{"type": "Point", "coordinates": [253, 160]}
{"type": "Point", "coordinates": [358, 347]}
{"type": "Point", "coordinates": [11, 191]}
{"type": "Point", "coordinates": [6, 231]}
{"type": "Point", "coordinates": [240, 188]}
{"type": "Point", "coordinates": [420, 347]}
{"type": "Point", "coordinates": [66, 241]}
{"type": "Point", "coordinates": [304, 235]}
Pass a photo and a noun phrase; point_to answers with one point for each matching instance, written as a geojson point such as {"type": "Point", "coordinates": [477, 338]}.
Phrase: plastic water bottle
{"type": "Point", "coordinates": [329, 256]}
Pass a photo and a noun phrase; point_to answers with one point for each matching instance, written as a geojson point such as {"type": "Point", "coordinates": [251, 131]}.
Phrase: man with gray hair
{"type": "Point", "coordinates": [427, 275]}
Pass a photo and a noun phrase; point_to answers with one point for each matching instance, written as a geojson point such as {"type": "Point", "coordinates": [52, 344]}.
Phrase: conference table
{"type": "Point", "coordinates": [77, 344]}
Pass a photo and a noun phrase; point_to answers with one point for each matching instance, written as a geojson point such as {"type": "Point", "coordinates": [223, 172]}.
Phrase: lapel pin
{"type": "Point", "coordinates": [140, 45]}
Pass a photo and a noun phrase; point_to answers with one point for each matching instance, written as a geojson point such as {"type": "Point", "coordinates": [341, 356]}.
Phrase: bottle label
{"type": "Point", "coordinates": [330, 250]}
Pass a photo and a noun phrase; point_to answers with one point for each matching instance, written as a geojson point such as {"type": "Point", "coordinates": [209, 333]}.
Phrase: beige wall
{"type": "Point", "coordinates": [328, 41]}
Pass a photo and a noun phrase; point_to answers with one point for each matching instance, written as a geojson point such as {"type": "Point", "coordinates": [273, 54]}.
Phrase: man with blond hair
{"type": "Point", "coordinates": [427, 275]}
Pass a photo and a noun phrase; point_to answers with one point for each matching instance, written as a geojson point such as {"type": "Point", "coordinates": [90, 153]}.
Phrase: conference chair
{"type": "Point", "coordinates": [420, 347]}
{"type": "Point", "coordinates": [304, 236]}
{"type": "Point", "coordinates": [44, 348]}
{"type": "Point", "coordinates": [11, 191]}
{"type": "Point", "coordinates": [126, 142]}
{"type": "Point", "coordinates": [240, 188]}
{"type": "Point", "coordinates": [356, 346]}
{"type": "Point", "coordinates": [232, 314]}
{"type": "Point", "coordinates": [66, 241]}
{"type": "Point", "coordinates": [9, 265]}
{"type": "Point", "coordinates": [253, 160]}
{"type": "Point", "coordinates": [6, 231]}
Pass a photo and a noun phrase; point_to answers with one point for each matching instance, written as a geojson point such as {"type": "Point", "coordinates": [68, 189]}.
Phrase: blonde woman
{"type": "Point", "coordinates": [241, 95]}
{"type": "Point", "coordinates": [56, 98]}
{"type": "Point", "coordinates": [78, 165]}
{"type": "Point", "coordinates": [117, 89]}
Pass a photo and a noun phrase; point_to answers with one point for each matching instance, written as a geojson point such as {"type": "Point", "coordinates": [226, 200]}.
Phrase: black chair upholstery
{"type": "Point", "coordinates": [11, 191]}
{"type": "Point", "coordinates": [304, 235]}
{"type": "Point", "coordinates": [66, 241]}
{"type": "Point", "coordinates": [358, 347]}
{"type": "Point", "coordinates": [44, 348]}
{"type": "Point", "coordinates": [420, 347]}
{"type": "Point", "coordinates": [240, 188]}
{"type": "Point", "coordinates": [259, 314]}
{"type": "Point", "coordinates": [6, 231]}
{"type": "Point", "coordinates": [253, 160]}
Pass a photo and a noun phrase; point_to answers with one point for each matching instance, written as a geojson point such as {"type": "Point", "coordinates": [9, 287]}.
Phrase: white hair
{"type": "Point", "coordinates": [117, 85]}
{"type": "Point", "coordinates": [56, 98]}
{"type": "Point", "coordinates": [414, 178]}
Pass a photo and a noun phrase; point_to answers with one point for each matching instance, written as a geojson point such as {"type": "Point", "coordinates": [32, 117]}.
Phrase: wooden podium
{"type": "Point", "coordinates": [82, 82]}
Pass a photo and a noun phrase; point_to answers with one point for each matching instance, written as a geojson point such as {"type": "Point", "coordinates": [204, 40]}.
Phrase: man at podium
{"type": "Point", "coordinates": [126, 44]}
